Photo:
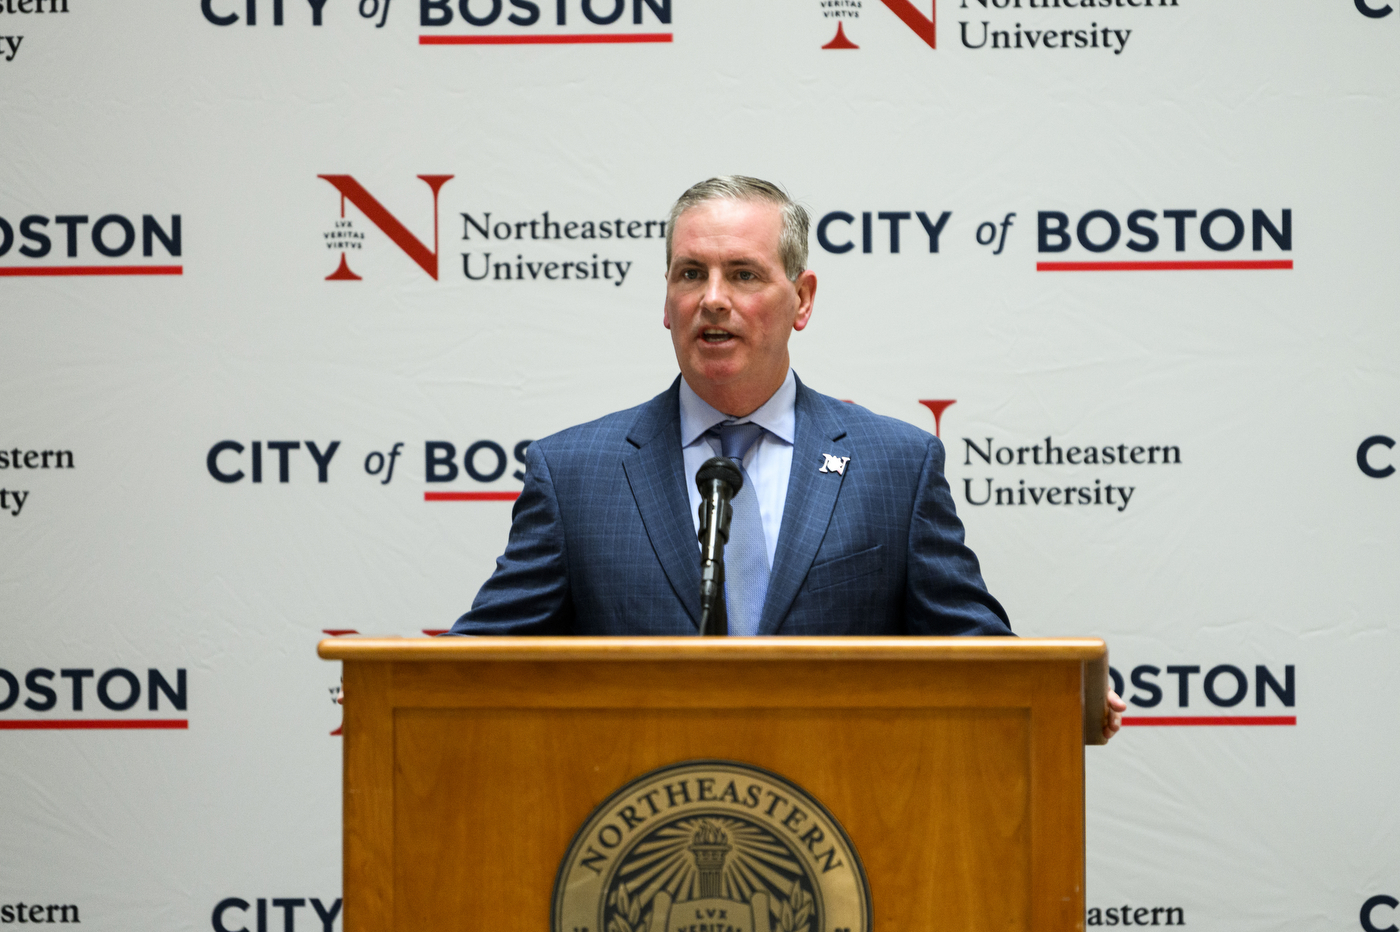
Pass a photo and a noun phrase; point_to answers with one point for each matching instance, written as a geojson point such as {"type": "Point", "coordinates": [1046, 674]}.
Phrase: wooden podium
{"type": "Point", "coordinates": [955, 767]}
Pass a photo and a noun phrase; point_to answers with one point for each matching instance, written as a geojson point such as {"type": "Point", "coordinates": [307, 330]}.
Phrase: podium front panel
{"type": "Point", "coordinates": [959, 782]}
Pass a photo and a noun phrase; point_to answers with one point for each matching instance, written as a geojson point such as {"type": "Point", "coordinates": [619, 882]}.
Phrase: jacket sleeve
{"type": "Point", "coordinates": [529, 591]}
{"type": "Point", "coordinates": [944, 592]}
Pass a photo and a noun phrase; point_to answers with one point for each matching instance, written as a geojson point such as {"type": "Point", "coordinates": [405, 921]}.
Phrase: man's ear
{"type": "Point", "coordinates": [806, 286]}
{"type": "Point", "coordinates": [666, 308]}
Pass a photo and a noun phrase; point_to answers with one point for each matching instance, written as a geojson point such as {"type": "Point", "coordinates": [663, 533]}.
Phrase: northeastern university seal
{"type": "Point", "coordinates": [711, 846]}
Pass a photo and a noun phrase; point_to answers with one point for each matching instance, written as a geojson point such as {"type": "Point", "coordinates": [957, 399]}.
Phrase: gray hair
{"type": "Point", "coordinates": [792, 243]}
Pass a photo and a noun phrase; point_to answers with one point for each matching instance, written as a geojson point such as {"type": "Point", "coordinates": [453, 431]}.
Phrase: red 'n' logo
{"type": "Point", "coordinates": [354, 192]}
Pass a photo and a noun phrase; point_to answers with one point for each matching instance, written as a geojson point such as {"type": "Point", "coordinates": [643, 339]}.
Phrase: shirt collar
{"type": "Point", "coordinates": [777, 415]}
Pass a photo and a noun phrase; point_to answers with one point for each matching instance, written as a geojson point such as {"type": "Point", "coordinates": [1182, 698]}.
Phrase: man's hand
{"type": "Point", "coordinates": [1114, 707]}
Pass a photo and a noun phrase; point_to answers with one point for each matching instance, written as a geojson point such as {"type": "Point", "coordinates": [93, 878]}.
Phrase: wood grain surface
{"type": "Point", "coordinates": [959, 779]}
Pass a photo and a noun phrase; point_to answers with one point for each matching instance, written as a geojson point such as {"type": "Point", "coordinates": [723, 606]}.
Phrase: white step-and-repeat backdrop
{"type": "Point", "coordinates": [287, 286]}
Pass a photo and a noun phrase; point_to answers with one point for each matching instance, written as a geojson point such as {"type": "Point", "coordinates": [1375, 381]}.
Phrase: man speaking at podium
{"type": "Point", "coordinates": [844, 523]}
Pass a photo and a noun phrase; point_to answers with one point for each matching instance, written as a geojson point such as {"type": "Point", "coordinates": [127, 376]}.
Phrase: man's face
{"type": "Point", "coordinates": [729, 305]}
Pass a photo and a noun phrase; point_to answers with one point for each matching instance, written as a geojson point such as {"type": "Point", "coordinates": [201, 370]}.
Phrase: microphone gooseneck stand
{"type": "Point", "coordinates": [719, 480]}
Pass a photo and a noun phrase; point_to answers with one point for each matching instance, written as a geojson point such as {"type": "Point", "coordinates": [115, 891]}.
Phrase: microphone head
{"type": "Point", "coordinates": [721, 468]}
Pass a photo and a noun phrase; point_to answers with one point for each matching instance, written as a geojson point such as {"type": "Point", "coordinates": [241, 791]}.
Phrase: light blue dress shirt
{"type": "Point", "coordinates": [768, 462]}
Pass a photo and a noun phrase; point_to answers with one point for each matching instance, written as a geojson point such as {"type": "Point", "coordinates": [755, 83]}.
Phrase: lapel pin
{"type": "Point", "coordinates": [836, 464]}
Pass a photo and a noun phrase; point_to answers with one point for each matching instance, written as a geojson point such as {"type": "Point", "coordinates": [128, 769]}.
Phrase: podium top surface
{"type": "Point", "coordinates": [728, 650]}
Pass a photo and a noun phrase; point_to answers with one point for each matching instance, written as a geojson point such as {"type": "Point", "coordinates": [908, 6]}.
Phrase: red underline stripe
{"type": "Point", "coordinates": [68, 724]}
{"type": "Point", "coordinates": [1211, 720]}
{"type": "Point", "coordinates": [92, 270]}
{"type": "Point", "coordinates": [1176, 265]}
{"type": "Point", "coordinates": [470, 496]}
{"type": "Point", "coordinates": [621, 37]}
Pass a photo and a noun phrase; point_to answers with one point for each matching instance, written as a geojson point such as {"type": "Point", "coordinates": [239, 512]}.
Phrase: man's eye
{"type": "Point", "coordinates": [690, 275]}
{"type": "Point", "coordinates": [745, 275]}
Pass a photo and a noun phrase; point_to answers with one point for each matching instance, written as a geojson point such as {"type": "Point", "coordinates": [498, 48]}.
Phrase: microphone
{"type": "Point", "coordinates": [719, 481]}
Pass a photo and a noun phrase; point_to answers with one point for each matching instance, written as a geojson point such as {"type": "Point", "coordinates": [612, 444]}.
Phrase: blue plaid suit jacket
{"type": "Point", "coordinates": [602, 541]}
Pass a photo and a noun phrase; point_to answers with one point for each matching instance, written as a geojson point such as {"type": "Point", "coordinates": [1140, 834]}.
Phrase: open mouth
{"type": "Point", "coordinates": [716, 335]}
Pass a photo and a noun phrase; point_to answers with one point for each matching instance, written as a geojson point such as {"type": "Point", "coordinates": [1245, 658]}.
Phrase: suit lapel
{"type": "Point", "coordinates": [656, 473]}
{"type": "Point", "coordinates": [811, 496]}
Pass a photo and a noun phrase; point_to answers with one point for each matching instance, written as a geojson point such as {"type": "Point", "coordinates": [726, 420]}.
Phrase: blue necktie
{"type": "Point", "coordinates": [746, 554]}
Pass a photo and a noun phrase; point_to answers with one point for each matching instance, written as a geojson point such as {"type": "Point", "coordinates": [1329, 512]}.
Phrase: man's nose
{"type": "Point", "coordinates": [716, 295]}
